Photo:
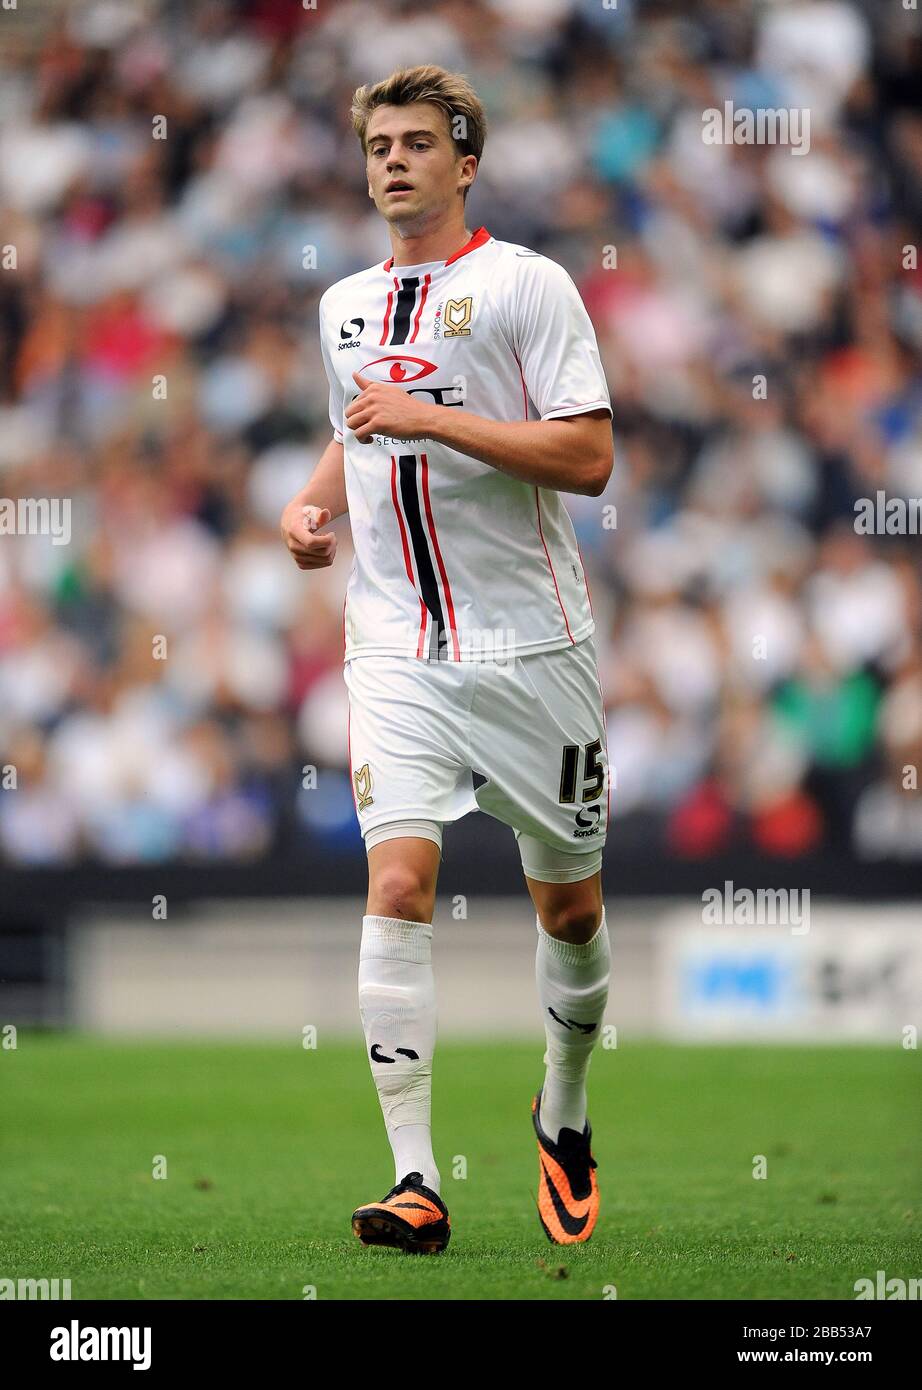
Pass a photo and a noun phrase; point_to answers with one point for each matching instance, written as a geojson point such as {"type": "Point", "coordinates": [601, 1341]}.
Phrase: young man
{"type": "Point", "coordinates": [466, 393]}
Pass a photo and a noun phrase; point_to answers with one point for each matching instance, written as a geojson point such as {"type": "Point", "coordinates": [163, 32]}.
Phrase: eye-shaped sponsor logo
{"type": "Point", "coordinates": [399, 369]}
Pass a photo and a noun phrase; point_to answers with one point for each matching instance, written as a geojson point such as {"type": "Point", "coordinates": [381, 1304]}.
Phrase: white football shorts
{"type": "Point", "coordinates": [521, 739]}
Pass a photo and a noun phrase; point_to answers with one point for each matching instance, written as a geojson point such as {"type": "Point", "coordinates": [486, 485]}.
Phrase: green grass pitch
{"type": "Point", "coordinates": [269, 1147]}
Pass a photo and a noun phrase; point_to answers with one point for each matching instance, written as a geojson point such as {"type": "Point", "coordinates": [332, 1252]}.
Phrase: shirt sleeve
{"type": "Point", "coordinates": [336, 390]}
{"type": "Point", "coordinates": [554, 341]}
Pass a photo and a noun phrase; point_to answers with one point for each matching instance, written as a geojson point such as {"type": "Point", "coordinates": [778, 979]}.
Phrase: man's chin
{"type": "Point", "coordinates": [406, 221]}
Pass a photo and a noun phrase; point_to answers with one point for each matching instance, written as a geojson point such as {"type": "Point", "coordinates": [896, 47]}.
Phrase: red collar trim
{"type": "Point", "coordinates": [479, 237]}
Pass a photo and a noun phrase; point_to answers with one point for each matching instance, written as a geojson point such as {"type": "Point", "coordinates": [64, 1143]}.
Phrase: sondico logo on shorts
{"type": "Point", "coordinates": [362, 780]}
{"type": "Point", "coordinates": [587, 820]}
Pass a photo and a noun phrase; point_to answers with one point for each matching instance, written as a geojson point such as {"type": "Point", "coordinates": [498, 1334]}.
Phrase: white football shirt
{"type": "Point", "coordinates": [454, 560]}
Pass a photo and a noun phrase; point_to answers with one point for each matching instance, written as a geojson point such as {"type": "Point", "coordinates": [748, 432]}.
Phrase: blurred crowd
{"type": "Point", "coordinates": [179, 184]}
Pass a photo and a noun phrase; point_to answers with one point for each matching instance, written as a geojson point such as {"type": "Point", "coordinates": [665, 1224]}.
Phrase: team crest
{"type": "Point", "coordinates": [362, 780]}
{"type": "Point", "coordinates": [456, 318]}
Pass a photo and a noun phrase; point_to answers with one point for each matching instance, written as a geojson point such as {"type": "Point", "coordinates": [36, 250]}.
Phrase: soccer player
{"type": "Point", "coordinates": [466, 394]}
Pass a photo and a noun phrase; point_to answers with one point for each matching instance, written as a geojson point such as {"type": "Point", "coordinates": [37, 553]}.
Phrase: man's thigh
{"type": "Point", "coordinates": [408, 740]}
{"type": "Point", "coordinates": [538, 741]}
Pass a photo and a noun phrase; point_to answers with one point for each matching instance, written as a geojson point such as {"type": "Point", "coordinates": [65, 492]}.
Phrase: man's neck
{"type": "Point", "coordinates": [436, 245]}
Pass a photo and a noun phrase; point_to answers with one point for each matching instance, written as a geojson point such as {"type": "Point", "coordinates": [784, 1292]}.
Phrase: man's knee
{"type": "Point", "coordinates": [401, 890]}
{"type": "Point", "coordinates": [403, 873]}
{"type": "Point", "coordinates": [573, 911]}
{"type": "Point", "coordinates": [576, 925]}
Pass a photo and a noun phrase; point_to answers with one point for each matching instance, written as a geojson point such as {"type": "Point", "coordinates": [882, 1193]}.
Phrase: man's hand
{"type": "Point", "coordinates": [388, 410]}
{"type": "Point", "coordinates": [310, 550]}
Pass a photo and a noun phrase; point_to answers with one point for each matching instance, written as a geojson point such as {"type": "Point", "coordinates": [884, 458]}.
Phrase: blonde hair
{"type": "Point", "coordinates": [451, 92]}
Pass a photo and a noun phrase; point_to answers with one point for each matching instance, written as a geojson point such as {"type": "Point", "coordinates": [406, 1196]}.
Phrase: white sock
{"type": "Point", "coordinates": [397, 1004]}
{"type": "Point", "coordinates": [573, 982]}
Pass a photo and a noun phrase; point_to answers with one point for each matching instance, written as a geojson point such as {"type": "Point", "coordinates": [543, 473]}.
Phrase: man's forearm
{"type": "Point", "coordinates": [327, 484]}
{"type": "Point", "coordinates": [551, 453]}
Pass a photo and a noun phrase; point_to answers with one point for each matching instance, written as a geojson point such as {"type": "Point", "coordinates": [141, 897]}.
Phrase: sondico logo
{"type": "Point", "coordinates": [350, 331]}
{"type": "Point", "coordinates": [587, 818]}
{"type": "Point", "coordinates": [76, 1343]}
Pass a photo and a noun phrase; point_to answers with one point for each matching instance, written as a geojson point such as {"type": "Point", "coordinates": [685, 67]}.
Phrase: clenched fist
{"type": "Point", "coordinates": [310, 549]}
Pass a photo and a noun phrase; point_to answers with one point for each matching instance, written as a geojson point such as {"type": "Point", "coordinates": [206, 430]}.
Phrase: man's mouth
{"type": "Point", "coordinates": [398, 186]}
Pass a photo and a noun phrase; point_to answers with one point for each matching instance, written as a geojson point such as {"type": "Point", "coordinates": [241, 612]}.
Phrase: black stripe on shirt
{"type": "Point", "coordinates": [406, 299]}
{"type": "Point", "coordinates": [438, 635]}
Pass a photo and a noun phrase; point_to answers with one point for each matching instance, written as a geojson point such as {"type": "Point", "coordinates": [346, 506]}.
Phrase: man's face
{"type": "Point", "coordinates": [413, 165]}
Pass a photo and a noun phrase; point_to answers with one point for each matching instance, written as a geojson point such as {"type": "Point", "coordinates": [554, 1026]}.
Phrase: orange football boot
{"type": "Point", "coordinates": [568, 1194]}
{"type": "Point", "coordinates": [411, 1218]}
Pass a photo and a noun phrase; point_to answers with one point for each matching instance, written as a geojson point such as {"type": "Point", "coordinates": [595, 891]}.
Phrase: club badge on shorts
{"type": "Point", "coordinates": [362, 780]}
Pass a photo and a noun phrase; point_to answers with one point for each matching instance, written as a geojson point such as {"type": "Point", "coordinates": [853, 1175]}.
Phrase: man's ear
{"type": "Point", "coordinates": [473, 171]}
